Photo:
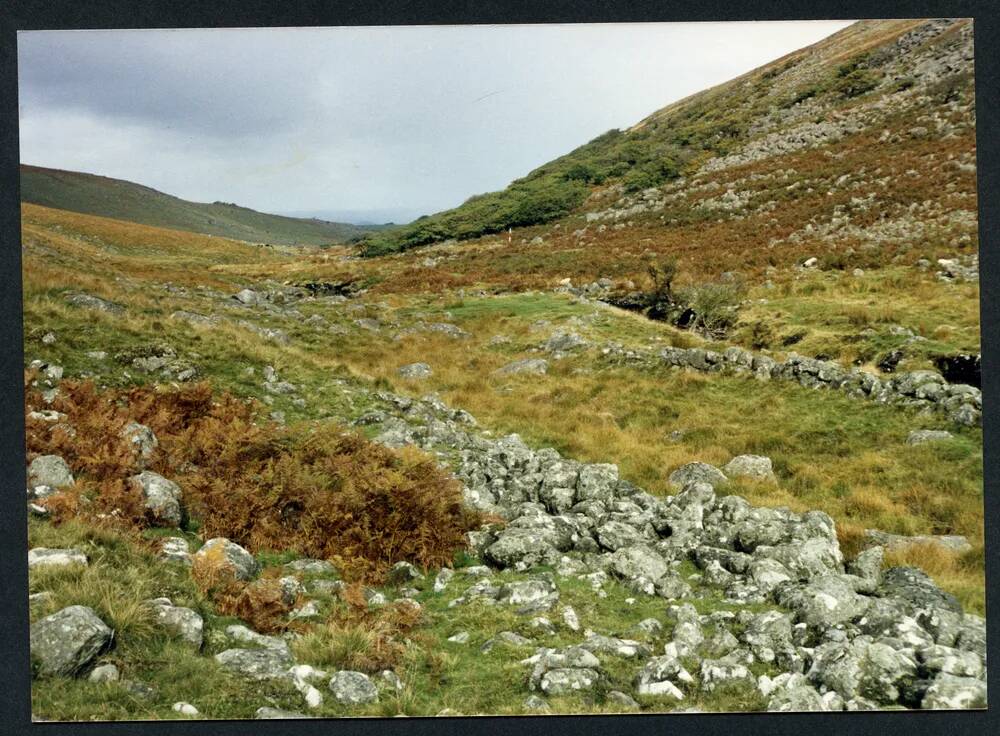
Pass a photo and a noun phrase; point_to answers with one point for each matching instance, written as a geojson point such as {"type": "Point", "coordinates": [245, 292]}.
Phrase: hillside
{"type": "Point", "coordinates": [708, 440]}
{"type": "Point", "coordinates": [817, 96]}
{"type": "Point", "coordinates": [125, 200]}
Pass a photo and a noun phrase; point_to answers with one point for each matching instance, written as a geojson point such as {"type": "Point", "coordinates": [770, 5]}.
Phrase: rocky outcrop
{"type": "Point", "coordinates": [845, 637]}
{"type": "Point", "coordinates": [917, 389]}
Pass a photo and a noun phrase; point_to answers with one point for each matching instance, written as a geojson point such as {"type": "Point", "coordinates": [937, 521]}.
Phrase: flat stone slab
{"type": "Point", "coordinates": [951, 542]}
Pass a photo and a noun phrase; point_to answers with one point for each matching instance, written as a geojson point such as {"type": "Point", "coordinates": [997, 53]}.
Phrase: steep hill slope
{"type": "Point", "coordinates": [125, 200]}
{"type": "Point", "coordinates": [852, 84]}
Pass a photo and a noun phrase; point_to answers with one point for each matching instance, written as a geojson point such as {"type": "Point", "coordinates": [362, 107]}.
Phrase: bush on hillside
{"type": "Point", "coordinates": [715, 305]}
{"type": "Point", "coordinates": [321, 492]}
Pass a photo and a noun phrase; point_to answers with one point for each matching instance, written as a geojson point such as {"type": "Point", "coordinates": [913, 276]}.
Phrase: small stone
{"type": "Point", "coordinates": [442, 579]}
{"type": "Point", "coordinates": [45, 557]}
{"type": "Point", "coordinates": [921, 436]}
{"type": "Point", "coordinates": [533, 702]}
{"type": "Point", "coordinates": [67, 641]}
{"type": "Point", "coordinates": [185, 709]}
{"type": "Point", "coordinates": [570, 618]}
{"type": "Point", "coordinates": [416, 371]}
{"type": "Point", "coordinates": [269, 713]}
{"type": "Point", "coordinates": [104, 673]}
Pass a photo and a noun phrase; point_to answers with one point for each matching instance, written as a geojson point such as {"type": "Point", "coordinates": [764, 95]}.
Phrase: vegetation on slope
{"type": "Point", "coordinates": [124, 200]}
{"type": "Point", "coordinates": [667, 144]}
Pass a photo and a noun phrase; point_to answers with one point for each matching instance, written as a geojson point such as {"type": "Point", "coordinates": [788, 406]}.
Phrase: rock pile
{"type": "Point", "coordinates": [843, 637]}
{"type": "Point", "coordinates": [918, 389]}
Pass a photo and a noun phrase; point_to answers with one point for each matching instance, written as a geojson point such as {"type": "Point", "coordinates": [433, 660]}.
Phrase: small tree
{"type": "Point", "coordinates": [662, 273]}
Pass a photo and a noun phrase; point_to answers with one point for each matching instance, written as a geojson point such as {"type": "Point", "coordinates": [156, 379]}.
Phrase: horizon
{"type": "Point", "coordinates": [363, 125]}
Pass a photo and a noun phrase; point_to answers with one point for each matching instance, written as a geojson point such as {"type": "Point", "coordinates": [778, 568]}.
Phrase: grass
{"type": "Point", "coordinates": [844, 456]}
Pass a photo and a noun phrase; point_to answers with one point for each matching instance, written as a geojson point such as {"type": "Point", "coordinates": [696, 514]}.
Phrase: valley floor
{"type": "Point", "coordinates": [553, 367]}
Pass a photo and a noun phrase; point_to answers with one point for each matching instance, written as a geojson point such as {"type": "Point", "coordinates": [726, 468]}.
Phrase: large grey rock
{"type": "Point", "coordinates": [954, 693]}
{"type": "Point", "coordinates": [951, 661]}
{"type": "Point", "coordinates": [403, 573]}
{"type": "Point", "coordinates": [353, 688]}
{"type": "Point", "coordinates": [757, 467]}
{"type": "Point", "coordinates": [769, 634]}
{"type": "Point", "coordinates": [726, 672]}
{"type": "Point", "coordinates": [614, 535]}
{"type": "Point", "coordinates": [639, 566]}
{"type": "Point", "coordinates": [175, 549]}
{"type": "Point", "coordinates": [530, 546]}
{"type": "Point", "coordinates": [46, 557]}
{"type": "Point", "coordinates": [89, 301]}
{"type": "Point", "coordinates": [161, 497]}
{"type": "Point", "coordinates": [628, 648]}
{"type": "Point", "coordinates": [660, 675]}
{"type": "Point", "coordinates": [567, 680]}
{"type": "Point", "coordinates": [562, 342]}
{"type": "Point", "coordinates": [597, 482]}
{"type": "Point", "coordinates": [822, 602]}
{"type": "Point", "coordinates": [230, 555]}
{"type": "Point", "coordinates": [257, 664]}
{"type": "Point", "coordinates": [914, 587]}
{"type": "Point", "coordinates": [863, 668]}
{"type": "Point", "coordinates": [67, 641]}
{"type": "Point", "coordinates": [527, 592]}
{"type": "Point", "coordinates": [49, 470]}
{"type": "Point", "coordinates": [697, 472]}
{"type": "Point", "coordinates": [792, 693]}
{"type": "Point", "coordinates": [242, 634]}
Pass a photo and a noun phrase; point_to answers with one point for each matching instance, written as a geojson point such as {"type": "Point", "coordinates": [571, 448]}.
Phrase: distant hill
{"type": "Point", "coordinates": [864, 65]}
{"type": "Point", "coordinates": [125, 200]}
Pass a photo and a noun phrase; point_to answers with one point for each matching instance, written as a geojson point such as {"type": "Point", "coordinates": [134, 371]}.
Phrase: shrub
{"type": "Point", "coordinates": [322, 493]}
{"type": "Point", "coordinates": [715, 305]}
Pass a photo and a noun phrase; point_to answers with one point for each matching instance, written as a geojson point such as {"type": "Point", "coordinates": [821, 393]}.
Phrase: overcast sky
{"type": "Point", "coordinates": [361, 123]}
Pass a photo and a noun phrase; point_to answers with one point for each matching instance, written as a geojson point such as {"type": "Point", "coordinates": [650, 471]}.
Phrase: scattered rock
{"type": "Point", "coordinates": [529, 366]}
{"type": "Point", "coordinates": [45, 557]}
{"type": "Point", "coordinates": [67, 641]}
{"type": "Point", "coordinates": [104, 673]}
{"type": "Point", "coordinates": [221, 551]}
{"type": "Point", "coordinates": [353, 688]}
{"type": "Point", "coordinates": [416, 371]}
{"type": "Point", "coordinates": [161, 497]}
{"type": "Point", "coordinates": [757, 467]}
{"type": "Point", "coordinates": [49, 470]}
{"type": "Point", "coordinates": [697, 473]}
{"type": "Point", "coordinates": [921, 436]}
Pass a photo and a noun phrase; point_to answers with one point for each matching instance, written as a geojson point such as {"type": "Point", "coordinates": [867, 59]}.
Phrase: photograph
{"type": "Point", "coordinates": [501, 370]}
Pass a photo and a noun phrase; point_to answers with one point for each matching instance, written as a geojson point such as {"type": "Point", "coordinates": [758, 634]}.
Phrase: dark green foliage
{"type": "Point", "coordinates": [855, 77]}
